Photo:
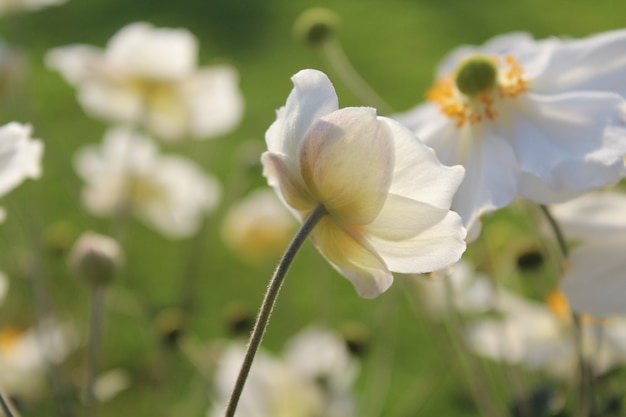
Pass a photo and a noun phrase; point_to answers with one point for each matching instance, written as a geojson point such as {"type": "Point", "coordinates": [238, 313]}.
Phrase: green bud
{"type": "Point", "coordinates": [95, 258]}
{"type": "Point", "coordinates": [315, 26]}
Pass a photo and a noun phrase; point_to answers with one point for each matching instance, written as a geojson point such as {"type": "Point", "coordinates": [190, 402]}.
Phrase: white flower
{"type": "Point", "coordinates": [4, 286]}
{"type": "Point", "coordinates": [312, 378]}
{"type": "Point", "coordinates": [595, 280]}
{"type": "Point", "coordinates": [25, 355]}
{"type": "Point", "coordinates": [387, 196]}
{"type": "Point", "coordinates": [259, 227]}
{"type": "Point", "coordinates": [12, 6]}
{"type": "Point", "coordinates": [169, 193]}
{"type": "Point", "coordinates": [20, 157]}
{"type": "Point", "coordinates": [148, 76]}
{"type": "Point", "coordinates": [539, 120]}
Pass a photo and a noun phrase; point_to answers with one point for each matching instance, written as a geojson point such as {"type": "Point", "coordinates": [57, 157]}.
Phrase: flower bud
{"type": "Point", "coordinates": [95, 258]}
{"type": "Point", "coordinates": [315, 26]}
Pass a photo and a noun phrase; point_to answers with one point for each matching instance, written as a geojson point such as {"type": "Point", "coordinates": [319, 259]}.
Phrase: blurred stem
{"type": "Point", "coordinates": [333, 52]}
{"type": "Point", "coordinates": [585, 405]}
{"type": "Point", "coordinates": [95, 333]}
{"type": "Point", "coordinates": [269, 301]}
{"type": "Point", "coordinates": [7, 405]}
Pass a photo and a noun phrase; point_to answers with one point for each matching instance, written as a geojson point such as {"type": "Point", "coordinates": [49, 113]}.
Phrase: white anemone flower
{"type": "Point", "coordinates": [387, 196]}
{"type": "Point", "coordinates": [14, 6]}
{"type": "Point", "coordinates": [595, 280]}
{"type": "Point", "coordinates": [126, 172]}
{"type": "Point", "coordinates": [25, 355]}
{"type": "Point", "coordinates": [313, 377]}
{"type": "Point", "coordinates": [258, 227]}
{"type": "Point", "coordinates": [148, 76]}
{"type": "Point", "coordinates": [20, 157]}
{"type": "Point", "coordinates": [540, 120]}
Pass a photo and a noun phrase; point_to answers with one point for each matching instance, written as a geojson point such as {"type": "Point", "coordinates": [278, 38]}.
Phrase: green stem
{"type": "Point", "coordinates": [337, 59]}
{"type": "Point", "coordinates": [268, 303]}
{"type": "Point", "coordinates": [97, 307]}
{"type": "Point", "coordinates": [7, 405]}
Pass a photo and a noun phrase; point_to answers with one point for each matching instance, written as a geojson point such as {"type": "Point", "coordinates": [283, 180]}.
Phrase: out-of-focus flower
{"type": "Point", "coordinates": [595, 280]}
{"type": "Point", "coordinates": [311, 379]}
{"type": "Point", "coordinates": [20, 157]}
{"type": "Point", "coordinates": [259, 227]}
{"type": "Point", "coordinates": [539, 120]}
{"type": "Point", "coordinates": [386, 195]}
{"type": "Point", "coordinates": [110, 383]}
{"type": "Point", "coordinates": [126, 172]}
{"type": "Point", "coordinates": [26, 353]}
{"type": "Point", "coordinates": [148, 76]}
{"type": "Point", "coordinates": [14, 6]}
{"type": "Point", "coordinates": [95, 258]}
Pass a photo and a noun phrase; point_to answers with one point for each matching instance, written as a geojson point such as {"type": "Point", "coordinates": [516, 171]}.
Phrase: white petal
{"type": "Point", "coordinates": [112, 101]}
{"type": "Point", "coordinates": [592, 215]}
{"type": "Point", "coordinates": [154, 53]}
{"type": "Point", "coordinates": [347, 161]}
{"type": "Point", "coordinates": [312, 97]}
{"type": "Point", "coordinates": [214, 101]}
{"type": "Point", "coordinates": [414, 237]}
{"type": "Point", "coordinates": [353, 257]}
{"type": "Point", "coordinates": [76, 63]}
{"type": "Point", "coordinates": [285, 178]}
{"type": "Point", "coordinates": [20, 156]}
{"type": "Point", "coordinates": [597, 62]}
{"type": "Point", "coordinates": [418, 174]}
{"type": "Point", "coordinates": [596, 280]}
{"type": "Point", "coordinates": [561, 140]}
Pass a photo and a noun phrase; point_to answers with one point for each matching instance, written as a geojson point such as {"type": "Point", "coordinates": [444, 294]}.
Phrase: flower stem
{"type": "Point", "coordinates": [97, 304]}
{"type": "Point", "coordinates": [337, 59]}
{"type": "Point", "coordinates": [269, 301]}
{"type": "Point", "coordinates": [7, 405]}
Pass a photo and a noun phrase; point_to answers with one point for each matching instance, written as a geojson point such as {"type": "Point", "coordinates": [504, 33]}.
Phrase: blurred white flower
{"type": "Point", "coordinates": [312, 379]}
{"type": "Point", "coordinates": [386, 195]}
{"type": "Point", "coordinates": [539, 120]}
{"type": "Point", "coordinates": [259, 227]}
{"type": "Point", "coordinates": [126, 172]}
{"type": "Point", "coordinates": [110, 383]}
{"type": "Point", "coordinates": [26, 353]}
{"type": "Point", "coordinates": [13, 6]}
{"type": "Point", "coordinates": [595, 279]}
{"type": "Point", "coordinates": [20, 157]}
{"type": "Point", "coordinates": [148, 76]}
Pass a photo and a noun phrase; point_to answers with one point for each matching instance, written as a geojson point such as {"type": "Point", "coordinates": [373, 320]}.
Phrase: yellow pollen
{"type": "Point", "coordinates": [8, 337]}
{"type": "Point", "coordinates": [472, 109]}
{"type": "Point", "coordinates": [557, 302]}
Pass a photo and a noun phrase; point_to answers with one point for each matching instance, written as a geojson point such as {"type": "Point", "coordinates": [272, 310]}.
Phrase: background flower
{"type": "Point", "coordinates": [126, 172]}
{"type": "Point", "coordinates": [148, 76]}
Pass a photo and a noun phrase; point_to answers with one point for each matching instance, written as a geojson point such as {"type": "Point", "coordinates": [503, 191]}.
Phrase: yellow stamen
{"type": "Point", "coordinates": [8, 337]}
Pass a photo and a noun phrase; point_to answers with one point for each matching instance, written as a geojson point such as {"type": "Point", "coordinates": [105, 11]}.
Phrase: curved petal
{"type": "Point", "coordinates": [597, 62]}
{"type": "Point", "coordinates": [413, 237]}
{"type": "Point", "coordinates": [20, 156]}
{"type": "Point", "coordinates": [592, 215]}
{"type": "Point", "coordinates": [283, 176]}
{"type": "Point", "coordinates": [491, 175]}
{"type": "Point", "coordinates": [561, 139]}
{"type": "Point", "coordinates": [347, 160]}
{"type": "Point", "coordinates": [418, 174]}
{"type": "Point", "coordinates": [312, 97]}
{"type": "Point", "coordinates": [75, 63]}
{"type": "Point", "coordinates": [353, 257]}
{"type": "Point", "coordinates": [112, 101]}
{"type": "Point", "coordinates": [596, 281]}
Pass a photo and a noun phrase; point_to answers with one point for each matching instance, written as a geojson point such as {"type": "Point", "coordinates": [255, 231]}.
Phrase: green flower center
{"type": "Point", "coordinates": [476, 75]}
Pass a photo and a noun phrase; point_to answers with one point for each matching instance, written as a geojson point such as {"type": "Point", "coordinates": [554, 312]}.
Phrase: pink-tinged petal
{"type": "Point", "coordinates": [596, 280]}
{"type": "Point", "coordinates": [353, 257]}
{"type": "Point", "coordinates": [491, 175]}
{"type": "Point", "coordinates": [413, 237]}
{"type": "Point", "coordinates": [312, 97]}
{"type": "Point", "coordinates": [597, 62]}
{"type": "Point", "coordinates": [561, 139]}
{"type": "Point", "coordinates": [347, 161]}
{"type": "Point", "coordinates": [592, 215]}
{"type": "Point", "coordinates": [283, 175]}
{"type": "Point", "coordinates": [418, 174]}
